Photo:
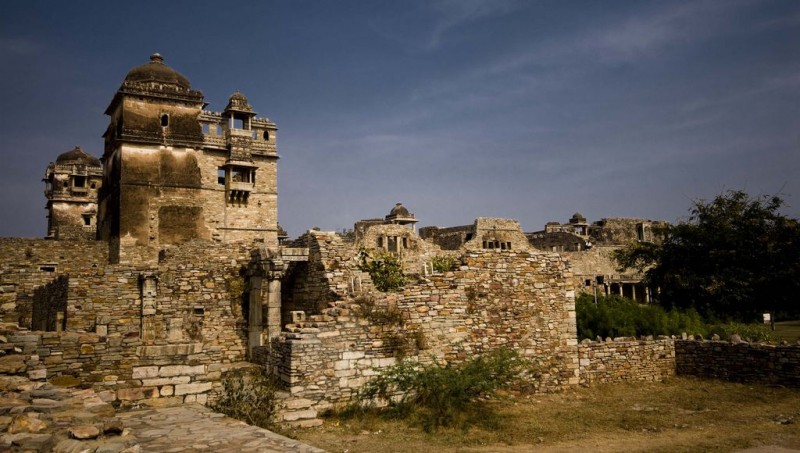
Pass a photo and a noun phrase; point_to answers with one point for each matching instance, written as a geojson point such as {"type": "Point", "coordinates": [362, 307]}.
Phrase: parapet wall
{"type": "Point", "coordinates": [739, 362]}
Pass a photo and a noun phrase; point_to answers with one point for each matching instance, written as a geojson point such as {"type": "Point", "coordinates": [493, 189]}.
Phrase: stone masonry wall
{"type": "Point", "coordinates": [624, 360]}
{"type": "Point", "coordinates": [739, 362]}
{"type": "Point", "coordinates": [496, 299]}
{"type": "Point", "coordinates": [26, 264]}
{"type": "Point", "coordinates": [50, 301]}
{"type": "Point", "coordinates": [166, 348]}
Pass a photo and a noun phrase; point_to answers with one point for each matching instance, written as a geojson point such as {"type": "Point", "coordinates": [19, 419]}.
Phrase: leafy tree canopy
{"type": "Point", "coordinates": [736, 257]}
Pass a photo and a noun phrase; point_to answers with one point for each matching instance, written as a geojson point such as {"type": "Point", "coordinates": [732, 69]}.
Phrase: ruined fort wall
{"type": "Point", "coordinates": [626, 360]}
{"type": "Point", "coordinates": [414, 253]}
{"type": "Point", "coordinates": [26, 264]}
{"type": "Point", "coordinates": [173, 345]}
{"type": "Point", "coordinates": [331, 273]}
{"type": "Point", "coordinates": [739, 362]}
{"type": "Point", "coordinates": [497, 299]}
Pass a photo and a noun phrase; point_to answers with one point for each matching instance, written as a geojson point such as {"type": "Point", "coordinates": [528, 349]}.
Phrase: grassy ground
{"type": "Point", "coordinates": [681, 414]}
{"type": "Point", "coordinates": [787, 330]}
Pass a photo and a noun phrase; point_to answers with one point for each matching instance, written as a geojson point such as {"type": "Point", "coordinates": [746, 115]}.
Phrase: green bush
{"type": "Point", "coordinates": [439, 394]}
{"type": "Point", "coordinates": [385, 270]}
{"type": "Point", "coordinates": [748, 332]}
{"type": "Point", "coordinates": [614, 316]}
{"type": "Point", "coordinates": [443, 263]}
{"type": "Point", "coordinates": [248, 394]}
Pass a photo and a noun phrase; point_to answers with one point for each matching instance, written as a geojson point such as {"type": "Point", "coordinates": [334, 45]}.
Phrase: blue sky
{"type": "Point", "coordinates": [530, 110]}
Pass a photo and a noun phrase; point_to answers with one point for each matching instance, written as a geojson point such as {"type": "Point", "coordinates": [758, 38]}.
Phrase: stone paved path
{"type": "Point", "coordinates": [194, 428]}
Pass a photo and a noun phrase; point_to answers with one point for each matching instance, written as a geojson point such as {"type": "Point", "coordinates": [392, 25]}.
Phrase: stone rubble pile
{"type": "Point", "coordinates": [39, 416]}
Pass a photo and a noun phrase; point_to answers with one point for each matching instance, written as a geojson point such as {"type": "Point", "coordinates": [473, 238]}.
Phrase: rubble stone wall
{"type": "Point", "coordinates": [26, 264]}
{"type": "Point", "coordinates": [739, 362]}
{"type": "Point", "coordinates": [173, 344]}
{"type": "Point", "coordinates": [49, 301]}
{"type": "Point", "coordinates": [496, 299]}
{"type": "Point", "coordinates": [626, 360]}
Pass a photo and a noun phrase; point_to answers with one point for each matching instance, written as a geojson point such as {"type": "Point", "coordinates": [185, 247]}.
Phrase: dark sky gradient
{"type": "Point", "coordinates": [459, 109]}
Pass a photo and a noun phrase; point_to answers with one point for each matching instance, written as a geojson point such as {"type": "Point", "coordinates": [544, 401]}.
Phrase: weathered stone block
{"type": "Point", "coordinates": [141, 372]}
{"type": "Point", "coordinates": [181, 370]}
{"type": "Point", "coordinates": [193, 388]}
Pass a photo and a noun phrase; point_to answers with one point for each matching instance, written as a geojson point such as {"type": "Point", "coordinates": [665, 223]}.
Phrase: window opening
{"type": "Point", "coordinates": [79, 181]}
{"type": "Point", "coordinates": [87, 220]}
{"type": "Point", "coordinates": [221, 176]}
{"type": "Point", "coordinates": [266, 135]}
{"type": "Point", "coordinates": [164, 120]}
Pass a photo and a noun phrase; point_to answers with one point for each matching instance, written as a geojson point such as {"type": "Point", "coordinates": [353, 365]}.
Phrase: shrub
{"type": "Point", "coordinates": [377, 314]}
{"type": "Point", "coordinates": [443, 263]}
{"type": "Point", "coordinates": [248, 394]}
{"type": "Point", "coordinates": [614, 316]}
{"type": "Point", "coordinates": [439, 393]}
{"type": "Point", "coordinates": [749, 332]}
{"type": "Point", "coordinates": [384, 269]}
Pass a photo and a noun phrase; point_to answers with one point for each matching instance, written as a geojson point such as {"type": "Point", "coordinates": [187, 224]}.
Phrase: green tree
{"type": "Point", "coordinates": [736, 257]}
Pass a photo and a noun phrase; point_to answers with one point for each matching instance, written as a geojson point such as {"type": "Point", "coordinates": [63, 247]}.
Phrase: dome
{"type": "Point", "coordinates": [157, 71]}
{"type": "Point", "coordinates": [78, 156]}
{"type": "Point", "coordinates": [238, 102]}
{"type": "Point", "coordinates": [577, 217]}
{"type": "Point", "coordinates": [399, 211]}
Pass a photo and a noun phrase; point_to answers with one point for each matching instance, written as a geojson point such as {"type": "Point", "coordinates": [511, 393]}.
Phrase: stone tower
{"type": "Point", "coordinates": [174, 172]}
{"type": "Point", "coordinates": [71, 186]}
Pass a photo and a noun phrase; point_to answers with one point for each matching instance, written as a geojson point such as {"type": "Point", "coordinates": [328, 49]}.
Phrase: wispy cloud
{"type": "Point", "coordinates": [790, 21]}
{"type": "Point", "coordinates": [19, 46]}
{"type": "Point", "coordinates": [453, 14]}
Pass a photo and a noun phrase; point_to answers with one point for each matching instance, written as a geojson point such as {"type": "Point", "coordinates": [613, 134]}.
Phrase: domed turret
{"type": "Point", "coordinates": [399, 211]}
{"type": "Point", "coordinates": [238, 103]}
{"type": "Point", "coordinates": [79, 157]}
{"type": "Point", "coordinates": [71, 187]}
{"type": "Point", "coordinates": [158, 72]}
{"type": "Point", "coordinates": [400, 215]}
{"type": "Point", "coordinates": [577, 218]}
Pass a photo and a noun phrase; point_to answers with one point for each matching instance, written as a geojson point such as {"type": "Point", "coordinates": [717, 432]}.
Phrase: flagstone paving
{"type": "Point", "coordinates": [195, 428]}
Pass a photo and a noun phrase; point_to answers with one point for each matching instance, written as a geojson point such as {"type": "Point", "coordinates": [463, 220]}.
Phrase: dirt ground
{"type": "Point", "coordinates": [679, 415]}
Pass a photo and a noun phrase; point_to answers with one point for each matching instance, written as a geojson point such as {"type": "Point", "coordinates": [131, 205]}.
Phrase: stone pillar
{"type": "Point", "coordinates": [265, 273]}
{"type": "Point", "coordinates": [148, 285]}
{"type": "Point", "coordinates": [273, 309]}
{"type": "Point", "coordinates": [256, 323]}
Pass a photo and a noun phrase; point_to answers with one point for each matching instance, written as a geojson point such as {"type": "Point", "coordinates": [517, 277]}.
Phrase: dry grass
{"type": "Point", "coordinates": [682, 414]}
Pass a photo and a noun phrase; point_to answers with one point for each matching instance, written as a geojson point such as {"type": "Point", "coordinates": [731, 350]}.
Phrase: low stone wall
{"type": "Point", "coordinates": [739, 362]}
{"type": "Point", "coordinates": [117, 367]}
{"type": "Point", "coordinates": [624, 360]}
